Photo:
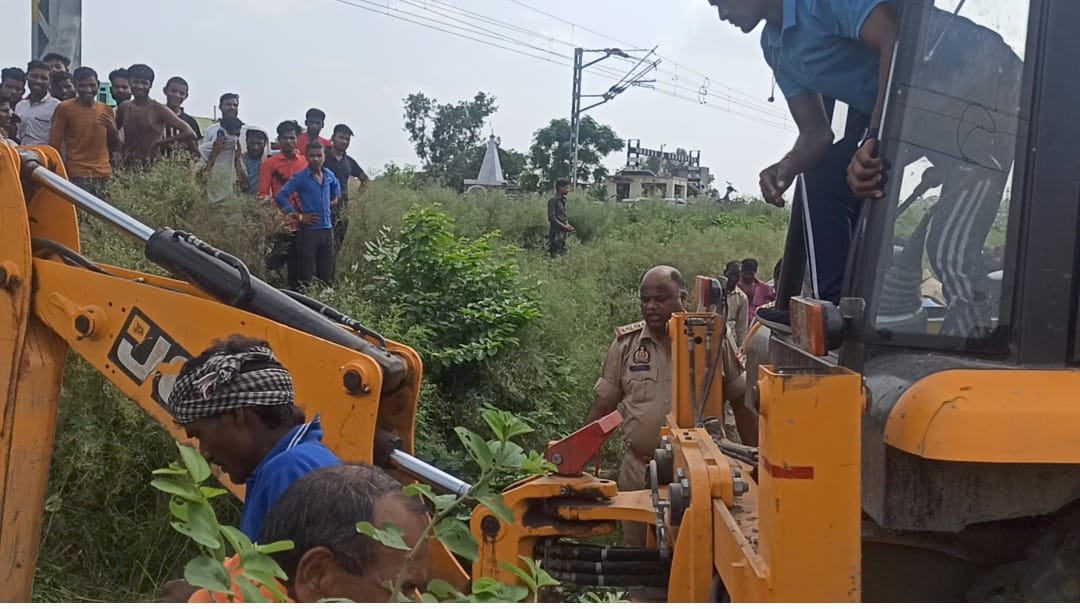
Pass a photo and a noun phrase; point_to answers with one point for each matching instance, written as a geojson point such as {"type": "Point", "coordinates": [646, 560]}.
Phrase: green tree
{"type": "Point", "coordinates": [444, 135]}
{"type": "Point", "coordinates": [550, 152]}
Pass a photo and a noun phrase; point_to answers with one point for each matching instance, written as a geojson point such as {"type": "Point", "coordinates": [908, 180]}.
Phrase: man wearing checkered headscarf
{"type": "Point", "coordinates": [218, 385]}
{"type": "Point", "coordinates": [238, 401]}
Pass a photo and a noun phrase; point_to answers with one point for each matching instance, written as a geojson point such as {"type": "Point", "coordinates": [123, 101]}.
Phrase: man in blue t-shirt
{"type": "Point", "coordinates": [318, 190]}
{"type": "Point", "coordinates": [238, 401]}
{"type": "Point", "coordinates": [823, 50]}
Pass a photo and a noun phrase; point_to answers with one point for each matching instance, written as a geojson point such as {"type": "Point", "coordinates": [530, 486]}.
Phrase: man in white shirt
{"type": "Point", "coordinates": [36, 111]}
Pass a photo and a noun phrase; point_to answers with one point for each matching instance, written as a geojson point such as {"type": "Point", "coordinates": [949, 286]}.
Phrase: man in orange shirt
{"type": "Point", "coordinates": [85, 129]}
{"type": "Point", "coordinates": [314, 120]}
{"type": "Point", "coordinates": [274, 173]}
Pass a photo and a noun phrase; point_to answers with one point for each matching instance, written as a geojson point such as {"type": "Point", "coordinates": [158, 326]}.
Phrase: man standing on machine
{"type": "Point", "coordinates": [843, 50]}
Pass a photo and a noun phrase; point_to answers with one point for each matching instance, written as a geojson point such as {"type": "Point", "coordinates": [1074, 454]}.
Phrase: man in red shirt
{"type": "Point", "coordinates": [757, 292]}
{"type": "Point", "coordinates": [314, 120]}
{"type": "Point", "coordinates": [274, 173]}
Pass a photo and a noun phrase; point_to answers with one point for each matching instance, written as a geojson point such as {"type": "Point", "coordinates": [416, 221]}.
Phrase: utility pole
{"type": "Point", "coordinates": [56, 26]}
{"type": "Point", "coordinates": [633, 78]}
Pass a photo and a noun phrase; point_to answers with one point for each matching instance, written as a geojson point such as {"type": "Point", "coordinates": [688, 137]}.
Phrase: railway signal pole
{"type": "Point", "coordinates": [56, 26]}
{"type": "Point", "coordinates": [633, 78]}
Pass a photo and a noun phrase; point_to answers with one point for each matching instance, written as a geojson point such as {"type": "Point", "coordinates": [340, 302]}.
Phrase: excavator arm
{"type": "Point", "coordinates": [138, 329]}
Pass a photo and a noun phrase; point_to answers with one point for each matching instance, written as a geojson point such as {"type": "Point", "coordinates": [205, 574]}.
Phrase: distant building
{"type": "Point", "coordinates": [656, 174]}
{"type": "Point", "coordinates": [630, 184]}
{"type": "Point", "coordinates": [105, 94]}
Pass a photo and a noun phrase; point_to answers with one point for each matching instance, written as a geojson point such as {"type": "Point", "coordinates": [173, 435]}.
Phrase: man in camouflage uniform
{"type": "Point", "coordinates": [637, 374]}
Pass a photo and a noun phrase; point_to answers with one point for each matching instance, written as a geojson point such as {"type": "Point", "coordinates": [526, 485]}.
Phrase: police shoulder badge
{"type": "Point", "coordinates": [628, 328]}
{"type": "Point", "coordinates": [641, 356]}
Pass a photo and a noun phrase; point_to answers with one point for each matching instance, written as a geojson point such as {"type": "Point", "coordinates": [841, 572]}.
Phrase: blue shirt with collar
{"type": "Point", "coordinates": [818, 49]}
{"type": "Point", "coordinates": [298, 453]}
{"type": "Point", "coordinates": [315, 197]}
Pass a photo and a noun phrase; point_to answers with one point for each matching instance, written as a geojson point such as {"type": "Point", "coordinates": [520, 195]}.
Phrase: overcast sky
{"type": "Point", "coordinates": [283, 56]}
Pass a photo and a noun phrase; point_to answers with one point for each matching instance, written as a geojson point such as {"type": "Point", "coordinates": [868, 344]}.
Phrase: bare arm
{"type": "Point", "coordinates": [815, 139]}
{"type": "Point", "coordinates": [241, 170]}
{"type": "Point", "coordinates": [186, 135]}
{"type": "Point", "coordinates": [56, 131]}
{"type": "Point", "coordinates": [112, 133]}
{"type": "Point", "coordinates": [815, 132]}
{"type": "Point", "coordinates": [879, 33]}
{"type": "Point", "coordinates": [866, 168]}
{"type": "Point", "coordinates": [121, 112]}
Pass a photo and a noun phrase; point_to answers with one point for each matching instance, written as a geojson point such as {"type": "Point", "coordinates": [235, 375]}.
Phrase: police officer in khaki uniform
{"type": "Point", "coordinates": [637, 374]}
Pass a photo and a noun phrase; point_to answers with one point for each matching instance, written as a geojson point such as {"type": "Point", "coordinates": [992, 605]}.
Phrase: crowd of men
{"type": "Point", "coordinates": [307, 179]}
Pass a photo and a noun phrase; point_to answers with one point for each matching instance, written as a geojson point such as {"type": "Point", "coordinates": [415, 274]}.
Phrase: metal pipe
{"type": "Point", "coordinates": [86, 201]}
{"type": "Point", "coordinates": [429, 473]}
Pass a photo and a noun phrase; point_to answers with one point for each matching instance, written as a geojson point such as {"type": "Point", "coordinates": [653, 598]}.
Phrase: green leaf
{"type": "Point", "coordinates": [488, 590]}
{"type": "Point", "coordinates": [476, 446]}
{"type": "Point", "coordinates": [443, 589]}
{"type": "Point", "coordinates": [277, 546]}
{"type": "Point", "coordinates": [205, 572]}
{"type": "Point", "coordinates": [198, 537]}
{"type": "Point", "coordinates": [202, 526]}
{"type": "Point", "coordinates": [486, 585]}
{"type": "Point", "coordinates": [496, 422]}
{"type": "Point", "coordinates": [179, 509]}
{"type": "Point", "coordinates": [511, 456]}
{"type": "Point", "coordinates": [536, 463]}
{"type": "Point", "coordinates": [236, 538]}
{"type": "Point", "coordinates": [210, 492]}
{"type": "Point", "coordinates": [419, 488]}
{"type": "Point", "coordinates": [257, 562]}
{"type": "Point", "coordinates": [496, 504]}
{"type": "Point", "coordinates": [170, 471]}
{"type": "Point", "coordinates": [179, 488]}
{"type": "Point", "coordinates": [441, 502]}
{"type": "Point", "coordinates": [195, 463]}
{"type": "Point", "coordinates": [457, 537]}
{"type": "Point", "coordinates": [520, 573]}
{"type": "Point", "coordinates": [542, 577]}
{"type": "Point", "coordinates": [505, 425]}
{"type": "Point", "coordinates": [391, 536]}
{"type": "Point", "coordinates": [268, 581]}
{"type": "Point", "coordinates": [249, 593]}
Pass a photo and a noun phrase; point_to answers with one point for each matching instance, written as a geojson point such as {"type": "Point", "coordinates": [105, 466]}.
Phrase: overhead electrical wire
{"type": "Point", "coordinates": [677, 82]}
{"type": "Point", "coordinates": [688, 91]}
{"type": "Point", "coordinates": [447, 18]}
{"type": "Point", "coordinates": [667, 60]}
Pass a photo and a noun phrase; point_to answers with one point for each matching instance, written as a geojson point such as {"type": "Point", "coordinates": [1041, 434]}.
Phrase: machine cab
{"type": "Point", "coordinates": [962, 279]}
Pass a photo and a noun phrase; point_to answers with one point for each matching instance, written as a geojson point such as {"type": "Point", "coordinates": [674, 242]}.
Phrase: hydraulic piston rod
{"type": "Point", "coordinates": [429, 473]}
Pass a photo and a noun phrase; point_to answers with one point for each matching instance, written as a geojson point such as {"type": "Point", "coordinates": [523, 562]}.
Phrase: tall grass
{"type": "Point", "coordinates": [106, 535]}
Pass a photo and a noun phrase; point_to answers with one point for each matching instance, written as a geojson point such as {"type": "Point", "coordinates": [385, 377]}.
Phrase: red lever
{"type": "Point", "coordinates": [571, 454]}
